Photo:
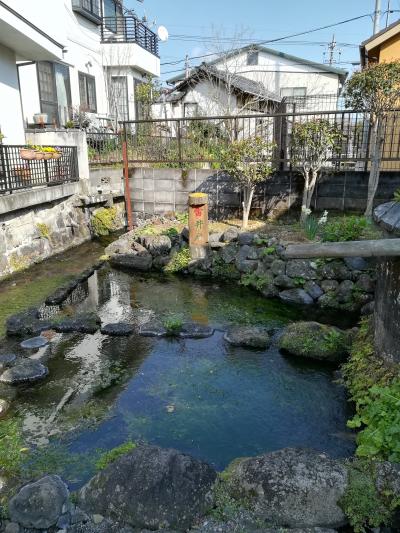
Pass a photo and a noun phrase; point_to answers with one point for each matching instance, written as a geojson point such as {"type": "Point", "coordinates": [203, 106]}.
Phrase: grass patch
{"type": "Point", "coordinates": [179, 261]}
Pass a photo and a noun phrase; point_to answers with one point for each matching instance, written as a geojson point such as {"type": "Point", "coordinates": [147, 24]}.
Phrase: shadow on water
{"type": "Point", "coordinates": [202, 397]}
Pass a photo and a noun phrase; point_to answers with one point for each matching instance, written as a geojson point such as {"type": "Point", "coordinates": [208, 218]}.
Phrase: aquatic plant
{"type": "Point", "coordinates": [111, 455]}
{"type": "Point", "coordinates": [173, 323]}
{"type": "Point", "coordinates": [103, 221]}
{"type": "Point", "coordinates": [179, 261]}
{"type": "Point", "coordinates": [12, 447]}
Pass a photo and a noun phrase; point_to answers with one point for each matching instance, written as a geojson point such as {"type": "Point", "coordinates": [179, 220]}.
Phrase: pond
{"type": "Point", "coordinates": [201, 396]}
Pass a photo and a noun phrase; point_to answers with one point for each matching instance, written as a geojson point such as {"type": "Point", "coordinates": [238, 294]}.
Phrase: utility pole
{"type": "Point", "coordinates": [187, 66]}
{"type": "Point", "coordinates": [377, 16]}
{"type": "Point", "coordinates": [331, 52]}
{"type": "Point", "coordinates": [387, 13]}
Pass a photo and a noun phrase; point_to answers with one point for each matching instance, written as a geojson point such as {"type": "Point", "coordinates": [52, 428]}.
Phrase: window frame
{"type": "Point", "coordinates": [55, 103]}
{"type": "Point", "coordinates": [252, 54]}
{"type": "Point", "coordinates": [118, 13]}
{"type": "Point", "coordinates": [87, 77]}
{"type": "Point", "coordinates": [292, 89]}
{"type": "Point", "coordinates": [126, 103]}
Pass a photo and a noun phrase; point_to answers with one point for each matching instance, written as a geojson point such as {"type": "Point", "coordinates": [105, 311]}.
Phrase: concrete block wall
{"type": "Point", "coordinates": [162, 190]}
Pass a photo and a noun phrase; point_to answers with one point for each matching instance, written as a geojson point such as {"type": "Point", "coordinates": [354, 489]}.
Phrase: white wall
{"type": "Point", "coordinates": [282, 72]}
{"type": "Point", "coordinates": [11, 122]}
{"type": "Point", "coordinates": [85, 53]}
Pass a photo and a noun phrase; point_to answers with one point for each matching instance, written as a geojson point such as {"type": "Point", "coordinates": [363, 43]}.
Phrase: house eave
{"type": "Point", "coordinates": [27, 40]}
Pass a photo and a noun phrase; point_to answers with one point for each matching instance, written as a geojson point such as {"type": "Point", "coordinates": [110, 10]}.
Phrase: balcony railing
{"type": "Point", "coordinates": [89, 9]}
{"type": "Point", "coordinates": [128, 29]}
{"type": "Point", "coordinates": [17, 173]}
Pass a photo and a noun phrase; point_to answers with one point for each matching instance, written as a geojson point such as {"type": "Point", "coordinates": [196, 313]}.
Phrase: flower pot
{"type": "Point", "coordinates": [40, 118]}
{"type": "Point", "coordinates": [27, 153]}
{"type": "Point", "coordinates": [57, 155]}
{"type": "Point", "coordinates": [39, 156]}
{"type": "Point", "coordinates": [48, 155]}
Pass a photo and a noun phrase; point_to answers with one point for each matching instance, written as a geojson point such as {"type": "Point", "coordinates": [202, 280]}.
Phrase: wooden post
{"type": "Point", "coordinates": [198, 224]}
{"type": "Point", "coordinates": [128, 205]}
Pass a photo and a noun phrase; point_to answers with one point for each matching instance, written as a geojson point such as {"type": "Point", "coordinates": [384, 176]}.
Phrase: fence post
{"type": "Point", "coordinates": [128, 205]}
{"type": "Point", "coordinates": [178, 134]}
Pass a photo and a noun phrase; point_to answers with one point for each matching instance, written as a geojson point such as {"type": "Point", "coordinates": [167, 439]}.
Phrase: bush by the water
{"type": "Point", "coordinates": [348, 228]}
{"type": "Point", "coordinates": [374, 387]}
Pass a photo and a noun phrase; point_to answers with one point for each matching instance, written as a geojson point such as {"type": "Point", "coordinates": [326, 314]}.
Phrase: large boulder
{"type": "Point", "coordinates": [117, 329]}
{"type": "Point", "coordinates": [25, 371]}
{"type": "Point", "coordinates": [151, 488]}
{"type": "Point", "coordinates": [26, 323]}
{"type": "Point", "coordinates": [315, 341]}
{"type": "Point", "coordinates": [39, 505]}
{"type": "Point", "coordinates": [294, 488]}
{"type": "Point", "coordinates": [296, 296]}
{"type": "Point", "coordinates": [301, 268]}
{"type": "Point", "coordinates": [81, 323]}
{"type": "Point", "coordinates": [157, 244]}
{"type": "Point", "coordinates": [248, 336]}
{"type": "Point", "coordinates": [6, 360]}
{"type": "Point", "coordinates": [132, 261]}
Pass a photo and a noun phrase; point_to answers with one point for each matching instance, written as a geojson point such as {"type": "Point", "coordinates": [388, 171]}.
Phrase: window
{"type": "Point", "coordinates": [293, 92]}
{"type": "Point", "coordinates": [252, 58]}
{"type": "Point", "coordinates": [119, 98]}
{"type": "Point", "coordinates": [87, 92]}
{"type": "Point", "coordinates": [89, 9]}
{"type": "Point", "coordinates": [54, 91]}
{"type": "Point", "coordinates": [112, 10]}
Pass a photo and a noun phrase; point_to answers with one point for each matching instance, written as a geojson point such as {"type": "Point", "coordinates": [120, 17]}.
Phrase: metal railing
{"type": "Point", "coordinates": [17, 173]}
{"type": "Point", "coordinates": [128, 29]}
{"type": "Point", "coordinates": [104, 148]}
{"type": "Point", "coordinates": [199, 140]}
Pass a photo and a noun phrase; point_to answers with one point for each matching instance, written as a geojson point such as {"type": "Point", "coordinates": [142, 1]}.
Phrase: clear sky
{"type": "Point", "coordinates": [199, 27]}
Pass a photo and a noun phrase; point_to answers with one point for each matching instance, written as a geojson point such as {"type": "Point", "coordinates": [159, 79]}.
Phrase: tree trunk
{"type": "Point", "coordinates": [310, 179]}
{"type": "Point", "coordinates": [247, 199]}
{"type": "Point", "coordinates": [376, 158]}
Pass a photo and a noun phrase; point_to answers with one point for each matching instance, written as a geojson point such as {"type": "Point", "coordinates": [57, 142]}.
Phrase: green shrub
{"type": "Point", "coordinates": [109, 457]}
{"type": "Point", "coordinates": [348, 228]}
{"type": "Point", "coordinates": [179, 261]}
{"type": "Point", "coordinates": [103, 220]}
{"type": "Point", "coordinates": [374, 387]}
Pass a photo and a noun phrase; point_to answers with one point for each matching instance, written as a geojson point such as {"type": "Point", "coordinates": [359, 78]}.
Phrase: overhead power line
{"type": "Point", "coordinates": [278, 39]}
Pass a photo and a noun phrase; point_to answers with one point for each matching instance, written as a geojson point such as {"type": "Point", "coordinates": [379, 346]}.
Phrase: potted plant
{"type": "Point", "coordinates": [57, 154]}
{"type": "Point", "coordinates": [28, 153]}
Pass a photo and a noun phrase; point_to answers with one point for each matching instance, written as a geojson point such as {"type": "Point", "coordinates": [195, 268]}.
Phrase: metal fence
{"type": "Point", "coordinates": [104, 148]}
{"type": "Point", "coordinates": [198, 141]}
{"type": "Point", "coordinates": [17, 173]}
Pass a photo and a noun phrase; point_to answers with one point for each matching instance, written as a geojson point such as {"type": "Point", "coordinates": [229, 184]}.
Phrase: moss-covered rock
{"type": "Point", "coordinates": [316, 341]}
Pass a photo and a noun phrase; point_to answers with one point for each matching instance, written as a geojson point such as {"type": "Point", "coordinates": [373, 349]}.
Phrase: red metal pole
{"type": "Point", "coordinates": [128, 205]}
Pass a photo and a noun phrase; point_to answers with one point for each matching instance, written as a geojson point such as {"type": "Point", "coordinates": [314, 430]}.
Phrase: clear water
{"type": "Point", "coordinates": [202, 397]}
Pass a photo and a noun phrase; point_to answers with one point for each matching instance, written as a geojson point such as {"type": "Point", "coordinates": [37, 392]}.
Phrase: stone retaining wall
{"type": "Point", "coordinates": [259, 262]}
{"type": "Point", "coordinates": [45, 225]}
{"type": "Point", "coordinates": [162, 190]}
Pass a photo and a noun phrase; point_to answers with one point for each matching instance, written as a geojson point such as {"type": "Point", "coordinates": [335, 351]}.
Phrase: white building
{"type": "Point", "coordinates": [58, 57]}
{"type": "Point", "coordinates": [312, 85]}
